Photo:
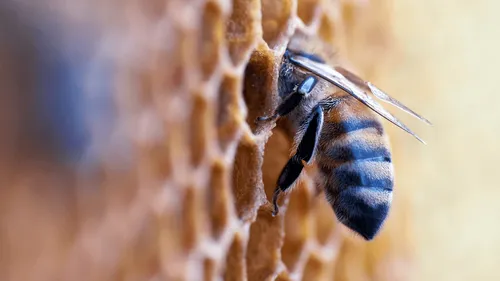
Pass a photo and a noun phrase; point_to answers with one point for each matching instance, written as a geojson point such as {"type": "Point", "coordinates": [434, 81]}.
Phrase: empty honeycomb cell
{"type": "Point", "coordinates": [276, 16]}
{"type": "Point", "coordinates": [263, 253]}
{"type": "Point", "coordinates": [201, 128]}
{"type": "Point", "coordinates": [242, 29]}
{"type": "Point", "coordinates": [297, 226]}
{"type": "Point", "coordinates": [235, 260]}
{"type": "Point", "coordinates": [314, 269]}
{"type": "Point", "coordinates": [178, 152]}
{"type": "Point", "coordinates": [351, 262]}
{"type": "Point", "coordinates": [212, 36]}
{"type": "Point", "coordinates": [193, 217]}
{"type": "Point", "coordinates": [158, 159]}
{"type": "Point", "coordinates": [170, 247]}
{"type": "Point", "coordinates": [209, 269]}
{"type": "Point", "coordinates": [168, 67]}
{"type": "Point", "coordinates": [229, 108]}
{"type": "Point", "coordinates": [219, 198]}
{"type": "Point", "coordinates": [348, 12]}
{"type": "Point", "coordinates": [283, 276]}
{"type": "Point", "coordinates": [326, 30]}
{"type": "Point", "coordinates": [248, 191]}
{"type": "Point", "coordinates": [260, 84]}
{"type": "Point", "coordinates": [307, 10]}
{"type": "Point", "coordinates": [276, 154]}
{"type": "Point", "coordinates": [325, 220]}
{"type": "Point", "coordinates": [141, 255]}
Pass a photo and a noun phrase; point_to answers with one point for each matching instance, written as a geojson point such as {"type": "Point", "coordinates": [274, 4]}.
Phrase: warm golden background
{"type": "Point", "coordinates": [445, 64]}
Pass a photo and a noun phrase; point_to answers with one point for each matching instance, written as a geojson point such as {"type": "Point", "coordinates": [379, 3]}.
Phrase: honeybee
{"type": "Point", "coordinates": [340, 131]}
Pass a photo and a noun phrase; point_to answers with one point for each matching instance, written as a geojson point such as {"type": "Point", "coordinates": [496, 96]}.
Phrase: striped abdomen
{"type": "Point", "coordinates": [355, 165]}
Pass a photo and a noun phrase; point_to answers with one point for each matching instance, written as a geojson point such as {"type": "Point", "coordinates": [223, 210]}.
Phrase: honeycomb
{"type": "Point", "coordinates": [129, 150]}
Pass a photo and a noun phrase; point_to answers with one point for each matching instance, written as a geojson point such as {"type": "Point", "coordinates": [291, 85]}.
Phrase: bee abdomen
{"type": "Point", "coordinates": [358, 175]}
{"type": "Point", "coordinates": [334, 130]}
{"type": "Point", "coordinates": [363, 209]}
{"type": "Point", "coordinates": [353, 140]}
{"type": "Point", "coordinates": [360, 193]}
{"type": "Point", "coordinates": [359, 152]}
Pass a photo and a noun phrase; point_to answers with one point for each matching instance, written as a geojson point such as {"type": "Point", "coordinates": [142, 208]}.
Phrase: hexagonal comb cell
{"type": "Point", "coordinates": [202, 128]}
{"type": "Point", "coordinates": [260, 84]}
{"type": "Point", "coordinates": [315, 269]}
{"type": "Point", "coordinates": [141, 254]}
{"type": "Point", "coordinates": [219, 198]}
{"type": "Point", "coordinates": [212, 38]}
{"type": "Point", "coordinates": [297, 226]}
{"type": "Point", "coordinates": [307, 10]}
{"type": "Point", "coordinates": [230, 110]}
{"type": "Point", "coordinates": [326, 29]}
{"type": "Point", "coordinates": [324, 220]}
{"type": "Point", "coordinates": [276, 16]}
{"type": "Point", "coordinates": [263, 246]}
{"type": "Point", "coordinates": [194, 218]}
{"type": "Point", "coordinates": [243, 29]}
{"type": "Point", "coordinates": [247, 179]}
{"type": "Point", "coordinates": [235, 260]}
{"type": "Point", "coordinates": [209, 268]}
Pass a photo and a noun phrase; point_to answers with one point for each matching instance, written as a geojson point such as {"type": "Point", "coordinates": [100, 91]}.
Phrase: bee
{"type": "Point", "coordinates": [341, 132]}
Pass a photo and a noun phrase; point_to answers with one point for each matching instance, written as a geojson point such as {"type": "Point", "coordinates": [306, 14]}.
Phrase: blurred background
{"type": "Point", "coordinates": [445, 65]}
{"type": "Point", "coordinates": [125, 155]}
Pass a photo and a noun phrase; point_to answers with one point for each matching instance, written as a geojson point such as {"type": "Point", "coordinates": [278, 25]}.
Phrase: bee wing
{"type": "Point", "coordinates": [336, 78]}
{"type": "Point", "coordinates": [379, 93]}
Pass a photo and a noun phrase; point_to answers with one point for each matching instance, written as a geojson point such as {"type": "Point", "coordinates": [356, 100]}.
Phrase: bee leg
{"type": "Point", "coordinates": [291, 102]}
{"type": "Point", "coordinates": [305, 152]}
{"type": "Point", "coordinates": [307, 146]}
{"type": "Point", "coordinates": [288, 176]}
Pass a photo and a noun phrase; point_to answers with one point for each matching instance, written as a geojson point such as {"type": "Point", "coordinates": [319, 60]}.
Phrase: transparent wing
{"type": "Point", "coordinates": [379, 93]}
{"type": "Point", "coordinates": [336, 78]}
